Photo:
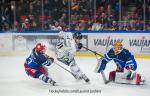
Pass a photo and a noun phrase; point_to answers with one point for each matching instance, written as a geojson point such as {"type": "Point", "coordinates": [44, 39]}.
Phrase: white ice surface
{"type": "Point", "coordinates": [14, 81]}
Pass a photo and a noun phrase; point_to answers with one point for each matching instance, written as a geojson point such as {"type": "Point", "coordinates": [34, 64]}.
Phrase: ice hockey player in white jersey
{"type": "Point", "coordinates": [126, 65]}
{"type": "Point", "coordinates": [65, 52]}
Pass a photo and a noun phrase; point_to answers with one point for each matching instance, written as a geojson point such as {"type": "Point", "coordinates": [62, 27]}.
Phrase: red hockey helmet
{"type": "Point", "coordinates": [40, 48]}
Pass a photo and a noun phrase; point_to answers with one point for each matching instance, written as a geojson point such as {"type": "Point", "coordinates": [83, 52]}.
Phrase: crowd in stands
{"type": "Point", "coordinates": [19, 15]}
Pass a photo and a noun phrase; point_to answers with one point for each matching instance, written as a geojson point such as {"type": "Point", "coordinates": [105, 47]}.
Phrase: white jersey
{"type": "Point", "coordinates": [69, 42]}
{"type": "Point", "coordinates": [65, 52]}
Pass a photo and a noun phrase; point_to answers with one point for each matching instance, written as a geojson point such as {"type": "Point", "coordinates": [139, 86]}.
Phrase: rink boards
{"type": "Point", "coordinates": [21, 43]}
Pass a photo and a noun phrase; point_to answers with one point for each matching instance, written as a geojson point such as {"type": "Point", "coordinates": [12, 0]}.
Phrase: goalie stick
{"type": "Point", "coordinates": [104, 77]}
{"type": "Point", "coordinates": [102, 72]}
{"type": "Point", "coordinates": [65, 69]}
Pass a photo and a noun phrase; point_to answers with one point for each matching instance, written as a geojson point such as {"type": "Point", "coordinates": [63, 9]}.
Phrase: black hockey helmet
{"type": "Point", "coordinates": [77, 35]}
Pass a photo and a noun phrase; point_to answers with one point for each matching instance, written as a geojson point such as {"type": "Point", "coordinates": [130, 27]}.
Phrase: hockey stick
{"type": "Point", "coordinates": [104, 77]}
{"type": "Point", "coordinates": [92, 51]}
{"type": "Point", "coordinates": [65, 69]}
{"type": "Point", "coordinates": [102, 72]}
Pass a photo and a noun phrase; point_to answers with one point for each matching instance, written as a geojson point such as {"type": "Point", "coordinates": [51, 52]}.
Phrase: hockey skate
{"type": "Point", "coordinates": [77, 77]}
{"type": "Point", "coordinates": [86, 79]}
{"type": "Point", "coordinates": [80, 77]}
{"type": "Point", "coordinates": [53, 83]}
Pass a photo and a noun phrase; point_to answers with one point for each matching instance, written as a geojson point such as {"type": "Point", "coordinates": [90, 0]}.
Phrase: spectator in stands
{"type": "Point", "coordinates": [34, 25]}
{"type": "Point", "coordinates": [103, 19]}
{"type": "Point", "coordinates": [97, 26]}
{"type": "Point", "coordinates": [125, 24]}
{"type": "Point", "coordinates": [109, 10]}
{"type": "Point", "coordinates": [56, 26]}
{"type": "Point", "coordinates": [82, 14]}
{"type": "Point", "coordinates": [82, 25]}
{"type": "Point", "coordinates": [63, 18]}
{"type": "Point", "coordinates": [5, 26]}
{"type": "Point", "coordinates": [85, 7]}
{"type": "Point", "coordinates": [26, 24]}
{"type": "Point", "coordinates": [114, 25]}
{"type": "Point", "coordinates": [16, 26]}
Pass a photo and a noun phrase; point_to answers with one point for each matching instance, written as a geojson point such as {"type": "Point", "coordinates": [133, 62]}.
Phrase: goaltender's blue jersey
{"type": "Point", "coordinates": [123, 59]}
{"type": "Point", "coordinates": [36, 60]}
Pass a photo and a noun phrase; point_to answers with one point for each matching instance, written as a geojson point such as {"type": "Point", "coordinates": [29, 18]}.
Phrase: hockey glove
{"type": "Point", "coordinates": [51, 60]}
{"type": "Point", "coordinates": [80, 46]}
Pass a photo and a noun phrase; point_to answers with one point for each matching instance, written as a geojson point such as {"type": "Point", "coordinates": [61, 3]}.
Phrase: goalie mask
{"type": "Point", "coordinates": [117, 47]}
{"type": "Point", "coordinates": [40, 48]}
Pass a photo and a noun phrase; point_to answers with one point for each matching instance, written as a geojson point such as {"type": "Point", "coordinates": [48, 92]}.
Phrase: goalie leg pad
{"type": "Point", "coordinates": [112, 75]}
{"type": "Point", "coordinates": [137, 80]}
